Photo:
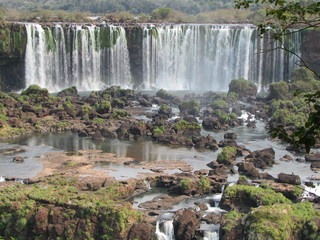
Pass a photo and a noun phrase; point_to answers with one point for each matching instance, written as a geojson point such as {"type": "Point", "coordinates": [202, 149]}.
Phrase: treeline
{"type": "Point", "coordinates": [108, 6]}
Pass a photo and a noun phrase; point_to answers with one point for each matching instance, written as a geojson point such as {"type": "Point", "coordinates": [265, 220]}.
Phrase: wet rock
{"type": "Point", "coordinates": [231, 136]}
{"type": "Point", "coordinates": [165, 110]}
{"type": "Point", "coordinates": [98, 137]}
{"type": "Point", "coordinates": [18, 159]}
{"type": "Point", "coordinates": [162, 202]}
{"type": "Point", "coordinates": [212, 218]}
{"type": "Point", "coordinates": [248, 169]}
{"type": "Point", "coordinates": [190, 119]}
{"type": "Point", "coordinates": [185, 224]}
{"type": "Point", "coordinates": [286, 158]}
{"type": "Point", "coordinates": [141, 231]}
{"type": "Point", "coordinates": [201, 172]}
{"type": "Point", "coordinates": [202, 206]}
{"type": "Point", "coordinates": [71, 92]}
{"type": "Point", "coordinates": [9, 151]}
{"type": "Point", "coordinates": [312, 157]}
{"type": "Point", "coordinates": [301, 160]}
{"type": "Point", "coordinates": [228, 143]}
{"type": "Point", "coordinates": [289, 178]}
{"type": "Point", "coordinates": [217, 169]}
{"type": "Point", "coordinates": [315, 166]}
{"type": "Point", "coordinates": [107, 133]}
{"type": "Point", "coordinates": [205, 142]}
{"type": "Point", "coordinates": [174, 140]}
{"type": "Point", "coordinates": [251, 124]}
{"type": "Point", "coordinates": [262, 159]}
{"type": "Point", "coordinates": [211, 123]}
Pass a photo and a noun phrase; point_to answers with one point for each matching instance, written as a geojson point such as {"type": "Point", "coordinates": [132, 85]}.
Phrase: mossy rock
{"type": "Point", "coordinates": [191, 107]}
{"type": "Point", "coordinates": [35, 90]}
{"type": "Point", "coordinates": [279, 90]}
{"type": "Point", "coordinates": [242, 198]}
{"type": "Point", "coordinates": [227, 156]}
{"type": "Point", "coordinates": [72, 92]}
{"type": "Point", "coordinates": [243, 87]}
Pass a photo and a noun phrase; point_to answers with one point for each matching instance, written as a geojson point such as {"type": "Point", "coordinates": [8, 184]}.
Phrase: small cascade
{"type": "Point", "coordinates": [165, 232]}
{"type": "Point", "coordinates": [89, 57]}
{"type": "Point", "coordinates": [211, 235]}
{"type": "Point", "coordinates": [208, 57]}
{"type": "Point", "coordinates": [147, 184]}
{"type": "Point", "coordinates": [2, 179]}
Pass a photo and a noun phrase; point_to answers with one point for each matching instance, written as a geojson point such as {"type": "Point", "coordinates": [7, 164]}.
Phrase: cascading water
{"type": "Point", "coordinates": [208, 57]}
{"type": "Point", "coordinates": [86, 56]}
{"type": "Point", "coordinates": [167, 233]}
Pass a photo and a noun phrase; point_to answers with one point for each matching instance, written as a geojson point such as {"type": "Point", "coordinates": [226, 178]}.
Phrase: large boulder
{"type": "Point", "coordinates": [312, 157]}
{"type": "Point", "coordinates": [262, 158]}
{"type": "Point", "coordinates": [141, 231]}
{"type": "Point", "coordinates": [289, 178]}
{"type": "Point", "coordinates": [185, 224]}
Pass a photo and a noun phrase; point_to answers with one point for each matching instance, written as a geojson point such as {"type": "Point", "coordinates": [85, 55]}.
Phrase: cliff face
{"type": "Point", "coordinates": [13, 40]}
{"type": "Point", "coordinates": [310, 51]}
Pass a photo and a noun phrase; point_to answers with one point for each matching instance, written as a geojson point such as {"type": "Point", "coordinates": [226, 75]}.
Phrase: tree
{"type": "Point", "coordinates": [282, 15]}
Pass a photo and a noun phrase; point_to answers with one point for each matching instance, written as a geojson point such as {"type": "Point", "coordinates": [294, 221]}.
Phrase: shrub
{"type": "Point", "coordinates": [242, 87]}
{"type": "Point", "coordinates": [279, 90]}
{"type": "Point", "coordinates": [191, 107]}
{"type": "Point", "coordinates": [103, 107]}
{"type": "Point", "coordinates": [302, 74]}
{"type": "Point", "coordinates": [227, 156]}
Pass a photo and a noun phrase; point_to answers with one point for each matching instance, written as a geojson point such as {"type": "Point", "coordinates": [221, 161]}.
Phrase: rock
{"type": "Point", "coordinates": [262, 159]}
{"type": "Point", "coordinates": [107, 133]}
{"type": "Point", "coordinates": [217, 169]}
{"type": "Point", "coordinates": [289, 178]}
{"type": "Point", "coordinates": [212, 218]}
{"type": "Point", "coordinates": [248, 169]}
{"type": "Point", "coordinates": [174, 140]}
{"type": "Point", "coordinates": [190, 119]}
{"type": "Point", "coordinates": [251, 124]}
{"type": "Point", "coordinates": [141, 231]}
{"type": "Point", "coordinates": [205, 142]}
{"type": "Point", "coordinates": [185, 224]}
{"type": "Point", "coordinates": [210, 123]}
{"type": "Point", "coordinates": [228, 143]}
{"type": "Point", "coordinates": [71, 92]}
{"type": "Point", "coordinates": [315, 166]}
{"type": "Point", "coordinates": [202, 206]}
{"type": "Point", "coordinates": [301, 160]}
{"type": "Point", "coordinates": [162, 202]}
{"type": "Point", "coordinates": [286, 158]}
{"type": "Point", "coordinates": [41, 221]}
{"type": "Point", "coordinates": [97, 136]}
{"type": "Point", "coordinates": [18, 159]}
{"type": "Point", "coordinates": [165, 110]}
{"type": "Point", "coordinates": [231, 136]}
{"type": "Point", "coordinates": [312, 157]}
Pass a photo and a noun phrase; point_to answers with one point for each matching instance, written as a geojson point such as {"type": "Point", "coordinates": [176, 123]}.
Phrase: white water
{"type": "Point", "coordinates": [167, 233]}
{"type": "Point", "coordinates": [58, 57]}
{"type": "Point", "coordinates": [208, 57]}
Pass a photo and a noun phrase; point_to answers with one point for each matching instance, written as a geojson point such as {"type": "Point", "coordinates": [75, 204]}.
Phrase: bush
{"type": "Point", "coordinates": [191, 107]}
{"type": "Point", "coordinates": [103, 107]}
{"type": "Point", "coordinates": [227, 156]}
{"type": "Point", "coordinates": [242, 87]}
{"type": "Point", "coordinates": [279, 90]}
{"type": "Point", "coordinates": [302, 74]}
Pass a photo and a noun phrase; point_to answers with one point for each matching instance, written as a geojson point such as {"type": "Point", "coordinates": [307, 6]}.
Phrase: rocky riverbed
{"type": "Point", "coordinates": [86, 181]}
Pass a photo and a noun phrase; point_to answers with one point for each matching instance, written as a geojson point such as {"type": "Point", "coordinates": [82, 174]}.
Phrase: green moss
{"type": "Point", "coordinates": [99, 121]}
{"type": "Point", "coordinates": [281, 221]}
{"type": "Point", "coordinates": [185, 184]}
{"type": "Point", "coordinates": [204, 184]}
{"type": "Point", "coordinates": [302, 74]}
{"type": "Point", "coordinates": [163, 94]}
{"type": "Point", "coordinates": [62, 125]}
{"type": "Point", "coordinates": [242, 87]}
{"type": "Point", "coordinates": [279, 90]}
{"type": "Point", "coordinates": [158, 130]}
{"type": "Point", "coordinates": [119, 113]}
{"type": "Point", "coordinates": [108, 37]}
{"type": "Point", "coordinates": [103, 107]}
{"type": "Point", "coordinates": [231, 220]}
{"type": "Point", "coordinates": [183, 125]}
{"type": "Point", "coordinates": [257, 195]}
{"type": "Point", "coordinates": [227, 156]}
{"type": "Point", "coordinates": [219, 103]}
{"type": "Point", "coordinates": [191, 107]}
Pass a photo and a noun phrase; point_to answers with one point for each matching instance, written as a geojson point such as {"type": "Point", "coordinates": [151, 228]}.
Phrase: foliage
{"type": "Point", "coordinates": [158, 130]}
{"type": "Point", "coordinates": [219, 103]}
{"type": "Point", "coordinates": [303, 74]}
{"type": "Point", "coordinates": [191, 107]}
{"type": "Point", "coordinates": [257, 195]}
{"type": "Point", "coordinates": [60, 125]}
{"type": "Point", "coordinates": [185, 184]}
{"type": "Point", "coordinates": [103, 107]}
{"type": "Point", "coordinates": [98, 121]}
{"type": "Point", "coordinates": [182, 125]}
{"type": "Point", "coordinates": [308, 133]}
{"type": "Point", "coordinates": [163, 94]}
{"type": "Point", "coordinates": [119, 113]}
{"type": "Point", "coordinates": [242, 87]}
{"type": "Point", "coordinates": [231, 218]}
{"type": "Point", "coordinates": [279, 90]}
{"type": "Point", "coordinates": [227, 156]}
{"type": "Point", "coordinates": [204, 184]}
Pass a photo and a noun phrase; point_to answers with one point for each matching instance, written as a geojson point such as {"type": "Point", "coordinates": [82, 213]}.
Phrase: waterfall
{"type": "Point", "coordinates": [89, 57]}
{"type": "Point", "coordinates": [211, 235]}
{"type": "Point", "coordinates": [208, 57]}
{"type": "Point", "coordinates": [167, 233]}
